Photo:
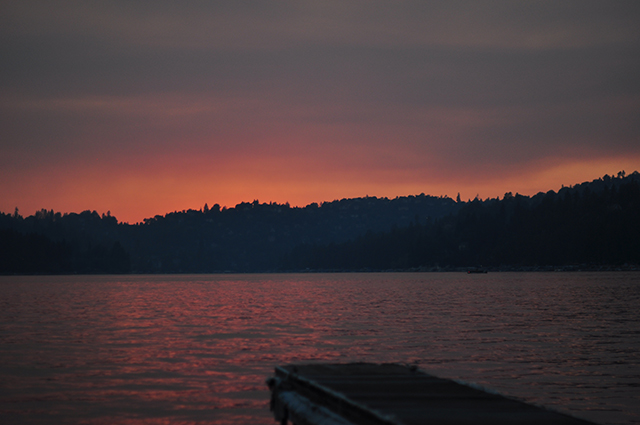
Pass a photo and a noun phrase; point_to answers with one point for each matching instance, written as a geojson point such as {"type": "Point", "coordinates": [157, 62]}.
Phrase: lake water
{"type": "Point", "coordinates": [196, 349]}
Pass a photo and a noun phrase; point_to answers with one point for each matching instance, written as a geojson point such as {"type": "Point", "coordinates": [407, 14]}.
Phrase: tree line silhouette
{"type": "Point", "coordinates": [594, 223]}
{"type": "Point", "coordinates": [248, 237]}
{"type": "Point", "coordinates": [52, 243]}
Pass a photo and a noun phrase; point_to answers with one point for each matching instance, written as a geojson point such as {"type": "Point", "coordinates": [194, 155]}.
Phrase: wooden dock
{"type": "Point", "coordinates": [392, 394]}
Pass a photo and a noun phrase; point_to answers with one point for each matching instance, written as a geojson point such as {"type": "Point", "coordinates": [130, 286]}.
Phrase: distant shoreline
{"type": "Point", "coordinates": [504, 269]}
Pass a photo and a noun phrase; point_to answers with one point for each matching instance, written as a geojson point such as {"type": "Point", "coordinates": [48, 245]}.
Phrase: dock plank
{"type": "Point", "coordinates": [393, 394]}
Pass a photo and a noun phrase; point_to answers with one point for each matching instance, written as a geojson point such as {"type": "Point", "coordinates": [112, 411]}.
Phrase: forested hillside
{"type": "Point", "coordinates": [50, 242]}
{"type": "Point", "coordinates": [593, 224]}
{"type": "Point", "coordinates": [248, 237]}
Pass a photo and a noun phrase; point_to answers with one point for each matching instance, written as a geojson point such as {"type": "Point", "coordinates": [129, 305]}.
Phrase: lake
{"type": "Point", "coordinates": [196, 349]}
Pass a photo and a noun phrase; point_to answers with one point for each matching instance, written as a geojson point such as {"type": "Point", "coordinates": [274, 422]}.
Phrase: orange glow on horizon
{"type": "Point", "coordinates": [134, 194]}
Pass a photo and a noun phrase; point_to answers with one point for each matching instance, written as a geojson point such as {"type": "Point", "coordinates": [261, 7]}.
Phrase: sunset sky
{"type": "Point", "coordinates": [142, 108]}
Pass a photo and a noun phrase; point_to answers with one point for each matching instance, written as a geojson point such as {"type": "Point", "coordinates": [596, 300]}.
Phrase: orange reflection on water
{"type": "Point", "coordinates": [197, 349]}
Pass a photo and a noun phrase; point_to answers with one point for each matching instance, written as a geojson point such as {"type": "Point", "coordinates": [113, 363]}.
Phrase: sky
{"type": "Point", "coordinates": [141, 108]}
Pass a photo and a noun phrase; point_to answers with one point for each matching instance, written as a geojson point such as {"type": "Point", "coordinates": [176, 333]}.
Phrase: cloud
{"type": "Point", "coordinates": [283, 24]}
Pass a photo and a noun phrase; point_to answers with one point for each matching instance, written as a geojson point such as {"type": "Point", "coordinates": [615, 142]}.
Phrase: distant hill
{"type": "Point", "coordinates": [52, 243]}
{"type": "Point", "coordinates": [594, 223]}
{"type": "Point", "coordinates": [247, 237]}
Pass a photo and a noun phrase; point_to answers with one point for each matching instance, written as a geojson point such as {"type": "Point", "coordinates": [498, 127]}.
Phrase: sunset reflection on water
{"type": "Point", "coordinates": [196, 349]}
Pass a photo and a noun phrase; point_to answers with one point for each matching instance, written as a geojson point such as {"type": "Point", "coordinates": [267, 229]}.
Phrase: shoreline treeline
{"type": "Point", "coordinates": [593, 223]}
{"type": "Point", "coordinates": [248, 237]}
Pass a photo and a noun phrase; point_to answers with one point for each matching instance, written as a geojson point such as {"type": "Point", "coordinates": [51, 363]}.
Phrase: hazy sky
{"type": "Point", "coordinates": [143, 108]}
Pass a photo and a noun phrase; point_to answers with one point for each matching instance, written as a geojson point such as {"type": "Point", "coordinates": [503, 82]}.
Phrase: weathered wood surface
{"type": "Point", "coordinates": [392, 394]}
